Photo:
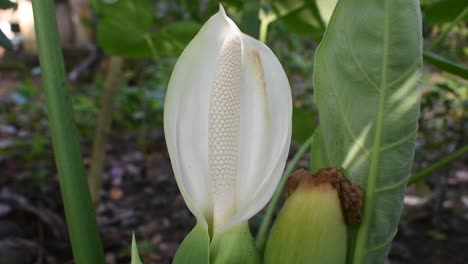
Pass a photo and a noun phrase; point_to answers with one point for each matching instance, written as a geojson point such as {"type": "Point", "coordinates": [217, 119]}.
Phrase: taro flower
{"type": "Point", "coordinates": [227, 122]}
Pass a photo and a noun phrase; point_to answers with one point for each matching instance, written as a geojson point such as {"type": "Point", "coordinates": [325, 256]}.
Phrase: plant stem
{"type": "Point", "coordinates": [263, 230]}
{"type": "Point", "coordinates": [263, 30]}
{"type": "Point", "coordinates": [445, 33]}
{"type": "Point", "coordinates": [103, 127]}
{"type": "Point", "coordinates": [84, 233]}
{"type": "Point", "coordinates": [143, 129]}
{"type": "Point", "coordinates": [438, 165]}
{"type": "Point", "coordinates": [265, 20]}
{"type": "Point", "coordinates": [446, 65]}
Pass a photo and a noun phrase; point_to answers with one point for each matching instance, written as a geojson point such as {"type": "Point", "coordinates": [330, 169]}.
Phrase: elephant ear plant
{"type": "Point", "coordinates": [227, 122]}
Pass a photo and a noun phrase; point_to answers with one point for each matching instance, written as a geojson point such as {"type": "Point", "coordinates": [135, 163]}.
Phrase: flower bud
{"type": "Point", "coordinates": [312, 225]}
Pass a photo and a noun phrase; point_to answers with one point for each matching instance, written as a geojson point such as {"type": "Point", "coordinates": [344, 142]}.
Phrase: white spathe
{"type": "Point", "coordinates": [227, 122]}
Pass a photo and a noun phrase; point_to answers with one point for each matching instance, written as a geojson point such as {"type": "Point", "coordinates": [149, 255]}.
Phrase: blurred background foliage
{"type": "Point", "coordinates": [151, 34]}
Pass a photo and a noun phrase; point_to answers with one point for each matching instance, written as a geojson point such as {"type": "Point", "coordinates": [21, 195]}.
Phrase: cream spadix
{"type": "Point", "coordinates": [227, 122]}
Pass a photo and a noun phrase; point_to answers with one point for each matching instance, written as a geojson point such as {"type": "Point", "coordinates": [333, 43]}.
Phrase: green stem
{"type": "Point", "coordinates": [143, 133]}
{"type": "Point", "coordinates": [265, 20]}
{"type": "Point", "coordinates": [438, 165]}
{"type": "Point", "coordinates": [263, 30]}
{"type": "Point", "coordinates": [445, 33]}
{"type": "Point", "coordinates": [84, 233]}
{"type": "Point", "coordinates": [446, 65]}
{"type": "Point", "coordinates": [263, 230]}
{"type": "Point", "coordinates": [103, 128]}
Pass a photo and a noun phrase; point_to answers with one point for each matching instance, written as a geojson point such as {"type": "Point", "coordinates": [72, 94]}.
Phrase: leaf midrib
{"type": "Point", "coordinates": [362, 235]}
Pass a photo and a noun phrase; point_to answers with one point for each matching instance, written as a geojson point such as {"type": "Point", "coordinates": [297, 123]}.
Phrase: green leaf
{"type": "Point", "coordinates": [6, 4]}
{"type": "Point", "coordinates": [304, 123]}
{"type": "Point", "coordinates": [195, 248]}
{"type": "Point", "coordinates": [445, 64]}
{"type": "Point", "coordinates": [444, 11]}
{"type": "Point", "coordinates": [123, 27]}
{"type": "Point", "coordinates": [300, 16]}
{"type": "Point", "coordinates": [126, 29]}
{"type": "Point", "coordinates": [5, 42]}
{"type": "Point", "coordinates": [173, 38]}
{"type": "Point", "coordinates": [135, 255]}
{"type": "Point", "coordinates": [250, 21]}
{"type": "Point", "coordinates": [318, 157]}
{"type": "Point", "coordinates": [366, 80]}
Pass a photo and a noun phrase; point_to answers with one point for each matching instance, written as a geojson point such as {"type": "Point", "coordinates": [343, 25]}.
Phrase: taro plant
{"type": "Point", "coordinates": [366, 78]}
{"type": "Point", "coordinates": [227, 124]}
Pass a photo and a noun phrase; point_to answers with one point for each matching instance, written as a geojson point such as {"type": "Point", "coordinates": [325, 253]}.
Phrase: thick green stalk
{"type": "Point", "coordinates": [445, 64]}
{"type": "Point", "coordinates": [84, 233]}
{"type": "Point", "coordinates": [263, 230]}
{"type": "Point", "coordinates": [438, 165]}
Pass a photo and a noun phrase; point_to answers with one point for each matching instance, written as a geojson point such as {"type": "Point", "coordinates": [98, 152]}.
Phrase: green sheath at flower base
{"type": "Point", "coordinates": [312, 226]}
{"type": "Point", "coordinates": [233, 246]}
{"type": "Point", "coordinates": [195, 247]}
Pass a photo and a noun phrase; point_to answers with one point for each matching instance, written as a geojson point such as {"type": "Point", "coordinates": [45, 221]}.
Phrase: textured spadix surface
{"type": "Point", "coordinates": [227, 122]}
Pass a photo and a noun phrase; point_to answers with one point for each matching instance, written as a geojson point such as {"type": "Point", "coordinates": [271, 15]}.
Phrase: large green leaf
{"type": "Point", "coordinates": [171, 40]}
{"type": "Point", "coordinates": [126, 29]}
{"type": "Point", "coordinates": [303, 123]}
{"type": "Point", "coordinates": [250, 21]}
{"type": "Point", "coordinates": [6, 4]}
{"type": "Point", "coordinates": [300, 16]}
{"type": "Point", "coordinates": [366, 79]}
{"type": "Point", "coordinates": [123, 28]}
{"type": "Point", "coordinates": [445, 11]}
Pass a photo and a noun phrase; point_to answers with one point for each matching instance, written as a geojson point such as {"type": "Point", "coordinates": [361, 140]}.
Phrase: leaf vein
{"type": "Point", "coordinates": [392, 186]}
{"type": "Point", "coordinates": [398, 142]}
{"type": "Point", "coordinates": [362, 236]}
{"type": "Point", "coordinates": [385, 243]}
{"type": "Point", "coordinates": [359, 67]}
{"type": "Point", "coordinates": [349, 131]}
{"type": "Point", "coordinates": [405, 74]}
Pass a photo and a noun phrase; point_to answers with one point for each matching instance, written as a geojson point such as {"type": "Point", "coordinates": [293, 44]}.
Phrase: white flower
{"type": "Point", "coordinates": [227, 122]}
